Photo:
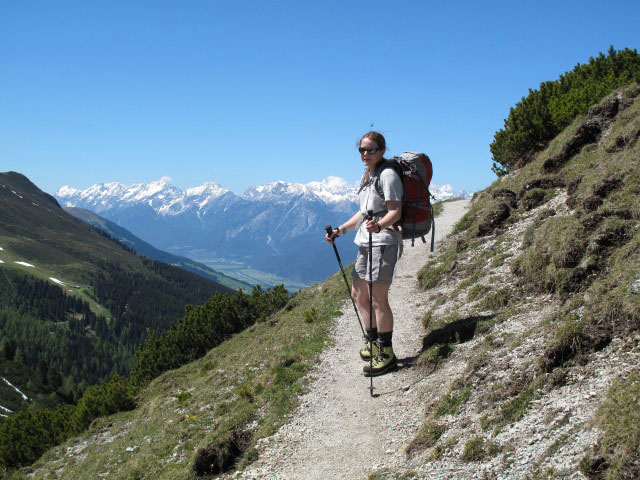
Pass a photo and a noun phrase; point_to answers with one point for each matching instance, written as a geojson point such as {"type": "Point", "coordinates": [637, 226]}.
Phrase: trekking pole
{"type": "Point", "coordinates": [329, 231]}
{"type": "Point", "coordinates": [369, 217]}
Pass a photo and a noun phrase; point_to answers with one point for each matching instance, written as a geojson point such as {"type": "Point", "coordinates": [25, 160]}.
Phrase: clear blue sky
{"type": "Point", "coordinates": [248, 92]}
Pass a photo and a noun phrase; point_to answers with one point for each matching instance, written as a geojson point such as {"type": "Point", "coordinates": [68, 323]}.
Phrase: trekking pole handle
{"type": "Point", "coordinates": [330, 232]}
{"type": "Point", "coordinates": [369, 214]}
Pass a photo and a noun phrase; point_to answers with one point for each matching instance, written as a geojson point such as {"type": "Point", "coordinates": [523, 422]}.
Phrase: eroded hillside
{"type": "Point", "coordinates": [538, 295]}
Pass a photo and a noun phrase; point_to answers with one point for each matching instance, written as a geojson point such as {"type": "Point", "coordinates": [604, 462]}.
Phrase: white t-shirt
{"type": "Point", "coordinates": [369, 199]}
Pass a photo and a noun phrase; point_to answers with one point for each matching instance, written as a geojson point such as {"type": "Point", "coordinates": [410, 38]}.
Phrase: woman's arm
{"type": "Point", "coordinates": [347, 226]}
{"type": "Point", "coordinates": [394, 208]}
{"type": "Point", "coordinates": [350, 224]}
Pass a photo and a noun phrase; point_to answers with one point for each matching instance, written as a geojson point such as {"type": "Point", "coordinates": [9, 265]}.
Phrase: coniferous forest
{"type": "Point", "coordinates": [25, 435]}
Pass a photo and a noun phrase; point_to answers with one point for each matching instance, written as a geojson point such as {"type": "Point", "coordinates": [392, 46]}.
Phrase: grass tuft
{"type": "Point", "coordinates": [474, 450]}
{"type": "Point", "coordinates": [451, 403]}
{"type": "Point", "coordinates": [618, 418]}
{"type": "Point", "coordinates": [433, 272]}
{"type": "Point", "coordinates": [427, 437]}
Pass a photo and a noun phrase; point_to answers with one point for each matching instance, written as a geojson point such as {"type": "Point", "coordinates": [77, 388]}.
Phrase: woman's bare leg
{"type": "Point", "coordinates": [360, 292]}
{"type": "Point", "coordinates": [381, 307]}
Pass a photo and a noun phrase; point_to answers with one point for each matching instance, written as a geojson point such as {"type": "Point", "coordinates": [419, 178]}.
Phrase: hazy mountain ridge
{"type": "Point", "coordinates": [267, 224]}
{"type": "Point", "coordinates": [144, 248]}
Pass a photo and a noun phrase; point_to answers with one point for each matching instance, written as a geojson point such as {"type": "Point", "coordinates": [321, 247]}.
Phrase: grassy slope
{"type": "Point", "coordinates": [245, 388]}
{"type": "Point", "coordinates": [9, 258]}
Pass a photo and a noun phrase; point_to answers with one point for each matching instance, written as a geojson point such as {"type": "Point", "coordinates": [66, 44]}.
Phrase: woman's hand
{"type": "Point", "coordinates": [335, 233]}
{"type": "Point", "coordinates": [373, 226]}
{"type": "Point", "coordinates": [394, 211]}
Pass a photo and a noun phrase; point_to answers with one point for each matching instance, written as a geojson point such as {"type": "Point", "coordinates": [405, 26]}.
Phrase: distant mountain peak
{"type": "Point", "coordinates": [211, 188]}
{"type": "Point", "coordinates": [66, 191]}
{"type": "Point", "coordinates": [330, 190]}
{"type": "Point", "coordinates": [446, 192]}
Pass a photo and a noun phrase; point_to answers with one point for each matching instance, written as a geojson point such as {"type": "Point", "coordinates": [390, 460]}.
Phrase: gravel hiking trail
{"type": "Point", "coordinates": [339, 430]}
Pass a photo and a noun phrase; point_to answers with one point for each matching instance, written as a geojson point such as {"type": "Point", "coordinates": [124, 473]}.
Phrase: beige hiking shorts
{"type": "Point", "coordinates": [383, 265]}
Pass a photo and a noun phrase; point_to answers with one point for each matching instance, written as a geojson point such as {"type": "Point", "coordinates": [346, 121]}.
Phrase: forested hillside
{"type": "Point", "coordinates": [26, 434]}
{"type": "Point", "coordinates": [74, 302]}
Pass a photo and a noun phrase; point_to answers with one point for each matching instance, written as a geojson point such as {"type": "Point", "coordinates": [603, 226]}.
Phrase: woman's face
{"type": "Point", "coordinates": [370, 160]}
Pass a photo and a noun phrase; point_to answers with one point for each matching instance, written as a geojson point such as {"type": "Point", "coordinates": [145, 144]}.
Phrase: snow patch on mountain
{"type": "Point", "coordinates": [209, 189]}
{"type": "Point", "coordinates": [24, 397]}
{"type": "Point", "coordinates": [334, 190]}
{"type": "Point", "coordinates": [25, 264]}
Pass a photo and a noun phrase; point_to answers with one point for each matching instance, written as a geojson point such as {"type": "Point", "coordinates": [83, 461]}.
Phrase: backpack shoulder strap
{"type": "Point", "coordinates": [385, 164]}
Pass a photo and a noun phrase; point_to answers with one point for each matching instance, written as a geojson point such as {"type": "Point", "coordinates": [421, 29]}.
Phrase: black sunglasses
{"type": "Point", "coordinates": [368, 150]}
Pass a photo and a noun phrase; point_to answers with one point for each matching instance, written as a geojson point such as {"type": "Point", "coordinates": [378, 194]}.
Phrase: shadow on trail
{"type": "Point", "coordinates": [460, 331]}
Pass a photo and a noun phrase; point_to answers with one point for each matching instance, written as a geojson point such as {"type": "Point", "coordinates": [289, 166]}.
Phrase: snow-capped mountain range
{"type": "Point", "coordinates": [275, 227]}
{"type": "Point", "coordinates": [165, 199]}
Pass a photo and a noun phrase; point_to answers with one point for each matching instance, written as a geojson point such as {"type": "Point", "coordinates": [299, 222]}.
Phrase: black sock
{"type": "Point", "coordinates": [385, 338]}
{"type": "Point", "coordinates": [372, 334]}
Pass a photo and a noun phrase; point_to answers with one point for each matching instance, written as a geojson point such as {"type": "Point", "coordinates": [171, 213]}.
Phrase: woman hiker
{"type": "Point", "coordinates": [387, 248]}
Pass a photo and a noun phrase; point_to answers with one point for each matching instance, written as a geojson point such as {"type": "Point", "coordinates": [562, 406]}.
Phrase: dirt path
{"type": "Point", "coordinates": [339, 430]}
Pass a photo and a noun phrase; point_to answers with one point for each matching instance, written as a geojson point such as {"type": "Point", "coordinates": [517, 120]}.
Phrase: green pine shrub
{"type": "Point", "coordinates": [105, 399]}
{"type": "Point", "coordinates": [204, 327]}
{"type": "Point", "coordinates": [545, 112]}
{"type": "Point", "coordinates": [28, 434]}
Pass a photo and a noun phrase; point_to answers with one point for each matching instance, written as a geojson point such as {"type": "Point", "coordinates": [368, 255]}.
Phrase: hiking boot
{"type": "Point", "coordinates": [384, 361]}
{"type": "Point", "coordinates": [365, 353]}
